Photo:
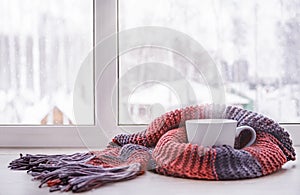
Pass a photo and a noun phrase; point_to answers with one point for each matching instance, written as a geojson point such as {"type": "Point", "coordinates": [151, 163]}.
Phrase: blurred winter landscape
{"type": "Point", "coordinates": [255, 45]}
{"type": "Point", "coordinates": [42, 45]}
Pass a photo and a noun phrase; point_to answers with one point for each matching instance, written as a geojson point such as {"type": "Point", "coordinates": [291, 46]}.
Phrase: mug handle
{"type": "Point", "coordinates": [253, 134]}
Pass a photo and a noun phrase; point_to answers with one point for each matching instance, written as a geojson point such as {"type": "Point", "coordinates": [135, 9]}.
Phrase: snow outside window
{"type": "Point", "coordinates": [42, 47]}
{"type": "Point", "coordinates": [254, 44]}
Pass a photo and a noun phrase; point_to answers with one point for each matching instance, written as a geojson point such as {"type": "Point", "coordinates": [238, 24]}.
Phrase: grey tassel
{"type": "Point", "coordinates": [69, 172]}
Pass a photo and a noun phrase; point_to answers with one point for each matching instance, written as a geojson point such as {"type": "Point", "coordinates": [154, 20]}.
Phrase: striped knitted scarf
{"type": "Point", "coordinates": [163, 148]}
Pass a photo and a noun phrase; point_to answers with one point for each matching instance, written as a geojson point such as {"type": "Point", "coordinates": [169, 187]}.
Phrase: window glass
{"type": "Point", "coordinates": [42, 47]}
{"type": "Point", "coordinates": [254, 44]}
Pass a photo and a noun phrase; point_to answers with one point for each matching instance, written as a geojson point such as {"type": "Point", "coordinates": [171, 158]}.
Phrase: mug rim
{"type": "Point", "coordinates": [210, 121]}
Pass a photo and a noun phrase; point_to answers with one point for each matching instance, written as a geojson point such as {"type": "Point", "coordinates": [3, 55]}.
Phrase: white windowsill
{"type": "Point", "coordinates": [285, 181]}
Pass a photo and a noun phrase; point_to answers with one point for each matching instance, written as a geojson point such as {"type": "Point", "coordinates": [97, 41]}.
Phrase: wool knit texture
{"type": "Point", "coordinates": [164, 149]}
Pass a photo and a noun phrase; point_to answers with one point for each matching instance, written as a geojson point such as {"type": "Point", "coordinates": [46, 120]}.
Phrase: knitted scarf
{"type": "Point", "coordinates": [163, 149]}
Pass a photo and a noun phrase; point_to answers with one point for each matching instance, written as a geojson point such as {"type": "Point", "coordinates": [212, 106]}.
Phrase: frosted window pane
{"type": "Point", "coordinates": [255, 44]}
{"type": "Point", "coordinates": [42, 46]}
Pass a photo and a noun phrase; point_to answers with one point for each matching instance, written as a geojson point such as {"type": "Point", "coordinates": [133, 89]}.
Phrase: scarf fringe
{"type": "Point", "coordinates": [70, 172]}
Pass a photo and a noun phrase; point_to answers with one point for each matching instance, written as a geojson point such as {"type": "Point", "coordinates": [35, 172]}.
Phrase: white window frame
{"type": "Point", "coordinates": [106, 105]}
{"type": "Point", "coordinates": [92, 136]}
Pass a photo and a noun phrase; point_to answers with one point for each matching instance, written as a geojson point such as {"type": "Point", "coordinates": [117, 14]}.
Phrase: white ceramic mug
{"type": "Point", "coordinates": [209, 132]}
